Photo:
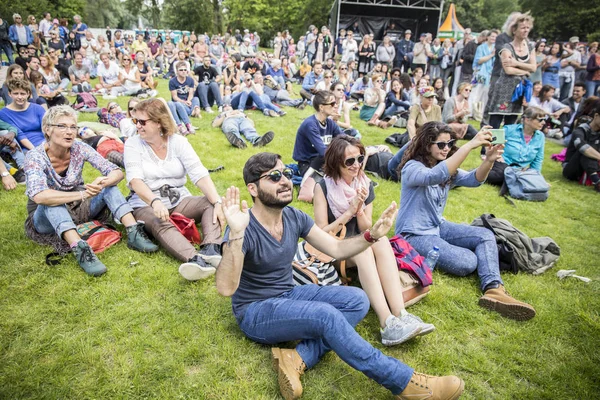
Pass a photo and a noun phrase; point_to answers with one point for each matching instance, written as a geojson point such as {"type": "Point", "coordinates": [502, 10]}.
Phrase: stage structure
{"type": "Point", "coordinates": [391, 16]}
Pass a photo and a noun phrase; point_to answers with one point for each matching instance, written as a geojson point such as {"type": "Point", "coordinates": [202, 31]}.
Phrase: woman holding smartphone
{"type": "Point", "coordinates": [430, 168]}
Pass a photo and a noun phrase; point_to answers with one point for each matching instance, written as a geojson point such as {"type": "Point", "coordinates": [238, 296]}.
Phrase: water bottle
{"type": "Point", "coordinates": [432, 257]}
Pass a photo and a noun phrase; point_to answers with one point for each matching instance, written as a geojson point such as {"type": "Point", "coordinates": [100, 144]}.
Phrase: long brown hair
{"type": "Point", "coordinates": [158, 111]}
{"type": "Point", "coordinates": [418, 149]}
{"type": "Point", "coordinates": [335, 155]}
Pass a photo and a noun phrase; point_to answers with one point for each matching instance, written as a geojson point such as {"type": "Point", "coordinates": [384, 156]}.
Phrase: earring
{"type": "Point", "coordinates": [162, 134]}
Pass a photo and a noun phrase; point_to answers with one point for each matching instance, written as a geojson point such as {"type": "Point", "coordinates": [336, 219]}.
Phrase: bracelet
{"type": "Point", "coordinates": [368, 237]}
{"type": "Point", "coordinates": [153, 200]}
{"type": "Point", "coordinates": [233, 240]}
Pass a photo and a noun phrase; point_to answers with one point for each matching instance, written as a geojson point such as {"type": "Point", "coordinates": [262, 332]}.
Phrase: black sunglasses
{"type": "Point", "coordinates": [352, 160]}
{"type": "Point", "coordinates": [330, 104]}
{"type": "Point", "coordinates": [142, 122]}
{"type": "Point", "coordinates": [275, 176]}
{"type": "Point", "coordinates": [442, 145]}
{"type": "Point", "coordinates": [113, 106]}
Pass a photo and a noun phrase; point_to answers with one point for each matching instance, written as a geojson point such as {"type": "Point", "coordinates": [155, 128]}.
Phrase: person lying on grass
{"type": "Point", "coordinates": [157, 161]}
{"type": "Point", "coordinates": [345, 198]}
{"type": "Point", "coordinates": [256, 270]}
{"type": "Point", "coordinates": [235, 123]}
{"type": "Point", "coordinates": [58, 198]}
{"type": "Point", "coordinates": [429, 168]}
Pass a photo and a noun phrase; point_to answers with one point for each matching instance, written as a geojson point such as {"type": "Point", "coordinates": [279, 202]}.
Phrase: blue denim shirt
{"type": "Point", "coordinates": [424, 195]}
{"type": "Point", "coordinates": [310, 80]}
{"type": "Point", "coordinates": [518, 152]}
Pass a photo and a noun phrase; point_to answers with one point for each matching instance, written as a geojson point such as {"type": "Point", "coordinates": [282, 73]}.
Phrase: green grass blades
{"type": "Point", "coordinates": [141, 331]}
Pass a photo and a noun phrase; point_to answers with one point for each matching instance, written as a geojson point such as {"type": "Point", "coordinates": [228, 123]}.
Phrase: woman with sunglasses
{"type": "Point", "coordinates": [374, 104]}
{"type": "Point", "coordinates": [127, 127]}
{"type": "Point", "coordinates": [430, 168]}
{"type": "Point", "coordinates": [345, 198]}
{"type": "Point", "coordinates": [59, 199]}
{"type": "Point", "coordinates": [524, 147]}
{"type": "Point", "coordinates": [456, 110]}
{"type": "Point", "coordinates": [157, 161]}
{"type": "Point", "coordinates": [426, 111]}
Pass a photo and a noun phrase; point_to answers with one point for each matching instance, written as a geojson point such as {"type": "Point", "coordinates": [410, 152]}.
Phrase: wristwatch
{"type": "Point", "coordinates": [220, 201]}
{"type": "Point", "coordinates": [5, 173]}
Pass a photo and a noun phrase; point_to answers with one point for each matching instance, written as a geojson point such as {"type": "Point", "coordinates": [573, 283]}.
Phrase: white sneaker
{"type": "Point", "coordinates": [209, 110]}
{"type": "Point", "coordinates": [196, 269]}
{"type": "Point", "coordinates": [413, 319]}
{"type": "Point", "coordinates": [397, 331]}
{"type": "Point", "coordinates": [153, 93]}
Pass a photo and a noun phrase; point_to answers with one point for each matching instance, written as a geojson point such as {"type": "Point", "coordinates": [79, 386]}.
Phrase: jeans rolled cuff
{"type": "Point", "coordinates": [122, 210]}
{"type": "Point", "coordinates": [65, 226]}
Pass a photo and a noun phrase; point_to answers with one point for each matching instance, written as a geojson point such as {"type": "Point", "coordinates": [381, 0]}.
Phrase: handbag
{"type": "Point", "coordinates": [187, 227]}
{"type": "Point", "coordinates": [313, 266]}
{"type": "Point", "coordinates": [525, 184]}
{"type": "Point", "coordinates": [414, 273]}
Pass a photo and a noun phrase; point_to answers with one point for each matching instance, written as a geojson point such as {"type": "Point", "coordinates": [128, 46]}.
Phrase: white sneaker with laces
{"type": "Point", "coordinates": [397, 331]}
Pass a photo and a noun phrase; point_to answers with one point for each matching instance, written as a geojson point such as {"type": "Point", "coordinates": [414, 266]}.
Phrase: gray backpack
{"type": "Point", "coordinates": [526, 184]}
{"type": "Point", "coordinates": [534, 256]}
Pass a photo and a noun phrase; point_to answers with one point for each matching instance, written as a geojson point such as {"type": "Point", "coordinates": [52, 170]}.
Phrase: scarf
{"type": "Point", "coordinates": [340, 194]}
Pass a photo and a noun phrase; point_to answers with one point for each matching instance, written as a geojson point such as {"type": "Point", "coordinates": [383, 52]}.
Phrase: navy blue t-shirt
{"type": "Point", "coordinates": [267, 270]}
{"type": "Point", "coordinates": [182, 88]}
{"type": "Point", "coordinates": [312, 138]}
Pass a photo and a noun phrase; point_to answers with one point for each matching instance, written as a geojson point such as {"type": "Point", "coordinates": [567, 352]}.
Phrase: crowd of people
{"type": "Point", "coordinates": [432, 87]}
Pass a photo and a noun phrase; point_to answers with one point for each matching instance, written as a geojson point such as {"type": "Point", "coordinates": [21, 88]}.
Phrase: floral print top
{"type": "Point", "coordinates": [41, 175]}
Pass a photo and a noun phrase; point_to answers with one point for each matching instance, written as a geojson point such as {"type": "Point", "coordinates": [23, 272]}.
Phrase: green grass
{"type": "Point", "coordinates": [141, 331]}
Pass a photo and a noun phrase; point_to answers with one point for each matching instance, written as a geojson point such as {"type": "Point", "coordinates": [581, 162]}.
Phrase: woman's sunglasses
{"type": "Point", "coordinates": [275, 176]}
{"type": "Point", "coordinates": [352, 160]}
{"type": "Point", "coordinates": [443, 145]}
{"type": "Point", "coordinates": [142, 122]}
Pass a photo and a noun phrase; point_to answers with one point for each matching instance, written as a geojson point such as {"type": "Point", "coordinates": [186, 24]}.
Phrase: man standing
{"type": "Point", "coordinates": [208, 80]}
{"type": "Point", "coordinates": [311, 43]}
{"type": "Point", "coordinates": [568, 65]}
{"type": "Point", "coordinates": [45, 27]}
{"type": "Point", "coordinates": [458, 54]}
{"type": "Point", "coordinates": [5, 45]}
{"type": "Point", "coordinates": [421, 50]}
{"type": "Point", "coordinates": [468, 56]}
{"type": "Point", "coordinates": [20, 34]}
{"type": "Point", "coordinates": [256, 271]}
{"type": "Point", "coordinates": [404, 52]}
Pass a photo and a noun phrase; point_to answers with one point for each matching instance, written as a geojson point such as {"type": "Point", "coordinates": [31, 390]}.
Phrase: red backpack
{"type": "Point", "coordinates": [99, 236]}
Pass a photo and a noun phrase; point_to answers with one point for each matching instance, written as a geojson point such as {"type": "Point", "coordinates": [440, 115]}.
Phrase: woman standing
{"type": "Point", "coordinates": [518, 61]}
{"type": "Point", "coordinates": [386, 52]}
{"type": "Point", "coordinates": [59, 199]}
{"type": "Point", "coordinates": [157, 161]}
{"type": "Point", "coordinates": [277, 43]}
{"type": "Point", "coordinates": [344, 198]}
{"type": "Point", "coordinates": [551, 66]}
{"type": "Point", "coordinates": [435, 69]}
{"type": "Point", "coordinates": [540, 47]}
{"type": "Point", "coordinates": [483, 63]}
{"type": "Point", "coordinates": [430, 168]}
{"type": "Point", "coordinates": [366, 54]}
{"type": "Point", "coordinates": [446, 64]}
{"type": "Point", "coordinates": [592, 81]}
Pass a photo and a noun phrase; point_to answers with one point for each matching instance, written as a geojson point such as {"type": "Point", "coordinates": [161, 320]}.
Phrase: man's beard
{"type": "Point", "coordinates": [273, 201]}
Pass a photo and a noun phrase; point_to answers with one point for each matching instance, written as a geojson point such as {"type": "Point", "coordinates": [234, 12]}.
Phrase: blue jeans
{"type": "Point", "coordinates": [8, 50]}
{"type": "Point", "coordinates": [463, 249]}
{"type": "Point", "coordinates": [181, 112]}
{"type": "Point", "coordinates": [392, 110]}
{"type": "Point", "coordinates": [395, 162]}
{"type": "Point", "coordinates": [240, 125]}
{"type": "Point", "coordinates": [323, 318]}
{"type": "Point", "coordinates": [268, 104]}
{"type": "Point", "coordinates": [48, 219]}
{"type": "Point", "coordinates": [241, 101]}
{"type": "Point", "coordinates": [202, 93]}
{"type": "Point", "coordinates": [18, 156]}
{"type": "Point", "coordinates": [591, 88]}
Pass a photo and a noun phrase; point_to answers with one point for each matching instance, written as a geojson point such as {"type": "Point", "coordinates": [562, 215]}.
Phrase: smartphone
{"type": "Point", "coordinates": [498, 136]}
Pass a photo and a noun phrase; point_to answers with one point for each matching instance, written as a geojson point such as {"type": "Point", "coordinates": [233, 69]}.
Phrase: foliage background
{"type": "Point", "coordinates": [554, 19]}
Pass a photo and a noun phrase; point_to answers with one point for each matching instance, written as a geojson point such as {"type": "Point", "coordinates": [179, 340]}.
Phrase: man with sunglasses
{"type": "Point", "coordinates": [315, 133]}
{"type": "Point", "coordinates": [256, 271]}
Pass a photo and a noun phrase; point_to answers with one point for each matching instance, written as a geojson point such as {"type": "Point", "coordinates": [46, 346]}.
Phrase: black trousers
{"type": "Point", "coordinates": [578, 164]}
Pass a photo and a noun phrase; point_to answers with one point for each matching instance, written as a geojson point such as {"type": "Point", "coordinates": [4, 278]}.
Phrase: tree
{"type": "Point", "coordinates": [58, 8]}
{"type": "Point", "coordinates": [192, 15]}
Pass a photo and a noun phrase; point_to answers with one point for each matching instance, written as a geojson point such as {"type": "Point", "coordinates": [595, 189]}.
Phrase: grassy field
{"type": "Point", "coordinates": [142, 331]}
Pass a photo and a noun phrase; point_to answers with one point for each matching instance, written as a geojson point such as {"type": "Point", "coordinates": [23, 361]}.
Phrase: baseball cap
{"type": "Point", "coordinates": [427, 91]}
{"type": "Point", "coordinates": [408, 31]}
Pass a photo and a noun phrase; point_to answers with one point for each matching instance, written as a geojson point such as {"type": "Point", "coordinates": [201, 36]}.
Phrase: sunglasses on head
{"type": "Point", "coordinates": [276, 175]}
{"type": "Point", "coordinates": [443, 145]}
{"type": "Point", "coordinates": [142, 122]}
{"type": "Point", "coordinates": [352, 160]}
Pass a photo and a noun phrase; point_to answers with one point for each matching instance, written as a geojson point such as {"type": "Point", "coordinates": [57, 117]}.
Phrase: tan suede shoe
{"type": "Point", "coordinates": [427, 387]}
{"type": "Point", "coordinates": [289, 366]}
{"type": "Point", "coordinates": [498, 300]}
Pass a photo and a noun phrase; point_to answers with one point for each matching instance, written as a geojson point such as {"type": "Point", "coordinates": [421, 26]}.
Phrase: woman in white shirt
{"type": "Point", "coordinates": [156, 162]}
{"type": "Point", "coordinates": [130, 77]}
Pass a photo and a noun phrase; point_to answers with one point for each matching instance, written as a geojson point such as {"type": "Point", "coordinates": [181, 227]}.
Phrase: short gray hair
{"type": "Point", "coordinates": [15, 15]}
{"type": "Point", "coordinates": [52, 116]}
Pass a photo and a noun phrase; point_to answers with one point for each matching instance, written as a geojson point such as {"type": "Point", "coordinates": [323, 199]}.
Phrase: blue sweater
{"type": "Point", "coordinates": [424, 195]}
{"type": "Point", "coordinates": [519, 153]}
{"type": "Point", "coordinates": [28, 123]}
{"type": "Point", "coordinates": [312, 139]}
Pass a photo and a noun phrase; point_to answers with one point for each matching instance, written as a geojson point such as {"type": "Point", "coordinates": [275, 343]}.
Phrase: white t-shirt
{"type": "Point", "coordinates": [110, 74]}
{"type": "Point", "coordinates": [88, 45]}
{"type": "Point", "coordinates": [142, 163]}
{"type": "Point", "coordinates": [129, 79]}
